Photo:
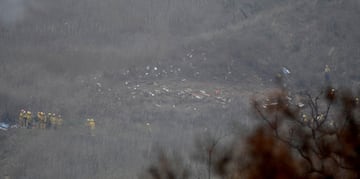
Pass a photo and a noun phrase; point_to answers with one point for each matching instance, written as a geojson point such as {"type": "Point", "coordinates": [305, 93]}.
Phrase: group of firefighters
{"type": "Point", "coordinates": [47, 121]}
{"type": "Point", "coordinates": [41, 120]}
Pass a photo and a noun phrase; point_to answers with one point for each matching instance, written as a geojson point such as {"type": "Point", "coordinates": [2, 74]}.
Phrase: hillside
{"type": "Point", "coordinates": [185, 69]}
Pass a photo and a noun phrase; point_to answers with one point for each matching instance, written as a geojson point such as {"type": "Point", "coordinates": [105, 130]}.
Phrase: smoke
{"type": "Point", "coordinates": [11, 12]}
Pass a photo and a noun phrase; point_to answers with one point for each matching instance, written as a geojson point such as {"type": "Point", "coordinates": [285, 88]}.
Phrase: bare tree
{"type": "Point", "coordinates": [300, 136]}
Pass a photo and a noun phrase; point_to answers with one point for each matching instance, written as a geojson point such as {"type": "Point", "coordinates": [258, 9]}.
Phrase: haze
{"type": "Point", "coordinates": [155, 74]}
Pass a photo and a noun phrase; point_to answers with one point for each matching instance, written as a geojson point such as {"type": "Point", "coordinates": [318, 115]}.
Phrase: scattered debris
{"type": "Point", "coordinates": [285, 71]}
{"type": "Point", "coordinates": [300, 105]}
{"type": "Point", "coordinates": [166, 89]}
{"type": "Point", "coordinates": [204, 93]}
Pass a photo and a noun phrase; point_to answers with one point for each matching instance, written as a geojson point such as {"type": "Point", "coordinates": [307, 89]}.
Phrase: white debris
{"type": "Point", "coordinates": [273, 104]}
{"type": "Point", "coordinates": [285, 71]}
{"type": "Point", "coordinates": [188, 90]}
{"type": "Point", "coordinates": [204, 93]}
{"type": "Point", "coordinates": [181, 93]}
{"type": "Point", "coordinates": [198, 96]}
{"type": "Point", "coordinates": [166, 89]}
{"type": "Point", "coordinates": [300, 105]}
{"type": "Point", "coordinates": [99, 85]}
{"type": "Point", "coordinates": [155, 68]}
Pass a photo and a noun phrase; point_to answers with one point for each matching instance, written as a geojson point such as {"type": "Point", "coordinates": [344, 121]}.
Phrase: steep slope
{"type": "Point", "coordinates": [184, 77]}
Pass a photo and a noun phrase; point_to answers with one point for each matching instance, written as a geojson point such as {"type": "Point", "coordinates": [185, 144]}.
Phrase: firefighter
{"type": "Point", "coordinates": [53, 120]}
{"type": "Point", "coordinates": [59, 121]}
{"type": "Point", "coordinates": [42, 120]}
{"type": "Point", "coordinates": [28, 119]}
{"type": "Point", "coordinates": [39, 119]}
{"type": "Point", "coordinates": [22, 115]}
{"type": "Point", "coordinates": [91, 124]}
{"type": "Point", "coordinates": [48, 124]}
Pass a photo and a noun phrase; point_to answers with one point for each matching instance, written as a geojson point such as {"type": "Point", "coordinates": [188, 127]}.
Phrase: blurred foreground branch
{"type": "Point", "coordinates": [301, 136]}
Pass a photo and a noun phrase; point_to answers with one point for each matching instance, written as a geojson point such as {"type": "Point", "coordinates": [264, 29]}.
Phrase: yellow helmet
{"type": "Point", "coordinates": [28, 112]}
{"type": "Point", "coordinates": [49, 114]}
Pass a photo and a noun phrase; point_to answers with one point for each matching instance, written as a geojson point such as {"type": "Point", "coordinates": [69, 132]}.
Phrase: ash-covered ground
{"type": "Point", "coordinates": [155, 74]}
